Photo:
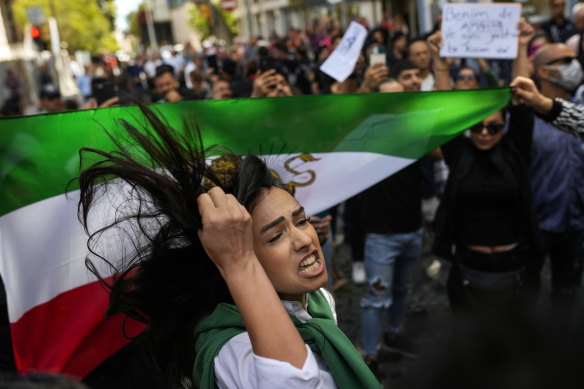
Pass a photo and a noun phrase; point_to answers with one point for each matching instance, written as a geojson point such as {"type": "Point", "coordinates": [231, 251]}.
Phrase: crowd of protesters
{"type": "Point", "coordinates": [501, 199]}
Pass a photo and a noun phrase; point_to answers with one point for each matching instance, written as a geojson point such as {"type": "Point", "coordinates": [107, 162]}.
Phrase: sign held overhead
{"type": "Point", "coordinates": [480, 30]}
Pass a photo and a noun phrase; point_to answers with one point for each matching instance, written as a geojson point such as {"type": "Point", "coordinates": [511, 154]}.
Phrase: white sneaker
{"type": "Point", "coordinates": [359, 276]}
{"type": "Point", "coordinates": [433, 271]}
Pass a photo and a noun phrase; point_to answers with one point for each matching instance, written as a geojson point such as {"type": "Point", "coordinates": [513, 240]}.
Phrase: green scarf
{"type": "Point", "coordinates": [320, 333]}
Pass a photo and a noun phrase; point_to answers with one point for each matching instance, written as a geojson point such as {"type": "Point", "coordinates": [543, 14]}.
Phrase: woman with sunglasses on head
{"type": "Point", "coordinates": [466, 78]}
{"type": "Point", "coordinates": [485, 222]}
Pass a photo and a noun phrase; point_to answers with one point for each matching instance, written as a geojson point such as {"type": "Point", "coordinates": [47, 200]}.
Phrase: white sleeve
{"type": "Point", "coordinates": [331, 300]}
{"type": "Point", "coordinates": [236, 366]}
{"type": "Point", "coordinates": [188, 69]}
{"type": "Point", "coordinates": [573, 42]}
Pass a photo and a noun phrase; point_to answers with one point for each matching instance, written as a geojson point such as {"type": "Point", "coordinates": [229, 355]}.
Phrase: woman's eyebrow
{"type": "Point", "coordinates": [272, 224]}
{"type": "Point", "coordinates": [281, 219]}
{"type": "Point", "coordinates": [298, 211]}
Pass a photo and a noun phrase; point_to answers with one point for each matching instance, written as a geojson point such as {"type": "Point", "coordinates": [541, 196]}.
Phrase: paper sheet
{"type": "Point", "coordinates": [340, 64]}
{"type": "Point", "coordinates": [480, 30]}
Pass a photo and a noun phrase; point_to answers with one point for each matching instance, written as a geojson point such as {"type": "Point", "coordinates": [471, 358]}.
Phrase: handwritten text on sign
{"type": "Point", "coordinates": [341, 63]}
{"type": "Point", "coordinates": [480, 30]}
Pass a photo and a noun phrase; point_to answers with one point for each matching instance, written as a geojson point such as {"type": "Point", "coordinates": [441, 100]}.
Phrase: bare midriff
{"type": "Point", "coordinates": [492, 249]}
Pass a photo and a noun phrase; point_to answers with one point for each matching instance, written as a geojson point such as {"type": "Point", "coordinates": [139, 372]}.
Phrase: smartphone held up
{"type": "Point", "coordinates": [377, 54]}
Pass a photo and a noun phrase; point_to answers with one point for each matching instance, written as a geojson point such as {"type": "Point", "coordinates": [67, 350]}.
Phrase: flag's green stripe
{"type": "Point", "coordinates": [39, 154]}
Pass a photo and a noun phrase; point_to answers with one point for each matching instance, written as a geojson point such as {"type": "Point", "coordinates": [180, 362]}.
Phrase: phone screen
{"type": "Point", "coordinates": [103, 90]}
{"type": "Point", "coordinates": [266, 63]}
{"type": "Point", "coordinates": [377, 55]}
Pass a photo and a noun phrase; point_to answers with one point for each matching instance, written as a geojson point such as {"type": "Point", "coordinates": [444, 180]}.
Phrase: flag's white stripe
{"type": "Point", "coordinates": [339, 175]}
{"type": "Point", "coordinates": [43, 246]}
{"type": "Point", "coordinates": [42, 252]}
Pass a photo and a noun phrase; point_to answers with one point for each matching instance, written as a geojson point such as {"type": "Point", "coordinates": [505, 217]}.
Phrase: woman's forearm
{"type": "Point", "coordinates": [271, 331]}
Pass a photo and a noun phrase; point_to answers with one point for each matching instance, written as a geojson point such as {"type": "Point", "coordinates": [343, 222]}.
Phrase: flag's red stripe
{"type": "Point", "coordinates": [69, 334]}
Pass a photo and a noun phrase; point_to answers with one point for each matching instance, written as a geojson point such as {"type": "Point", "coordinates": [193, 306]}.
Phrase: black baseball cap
{"type": "Point", "coordinates": [48, 91]}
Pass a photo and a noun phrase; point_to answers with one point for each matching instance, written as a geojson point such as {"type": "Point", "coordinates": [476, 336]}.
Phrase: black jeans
{"type": "Point", "coordinates": [480, 280]}
{"type": "Point", "coordinates": [566, 254]}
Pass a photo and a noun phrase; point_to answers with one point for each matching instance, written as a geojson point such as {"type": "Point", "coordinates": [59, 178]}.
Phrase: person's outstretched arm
{"type": "Point", "coordinates": [570, 118]}
{"type": "Point", "coordinates": [564, 115]}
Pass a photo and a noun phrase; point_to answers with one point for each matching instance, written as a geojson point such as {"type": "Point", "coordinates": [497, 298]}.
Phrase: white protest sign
{"type": "Point", "coordinates": [480, 30]}
{"type": "Point", "coordinates": [340, 64]}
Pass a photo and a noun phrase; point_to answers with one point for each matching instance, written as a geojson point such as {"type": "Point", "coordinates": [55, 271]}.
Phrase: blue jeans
{"type": "Point", "coordinates": [389, 263]}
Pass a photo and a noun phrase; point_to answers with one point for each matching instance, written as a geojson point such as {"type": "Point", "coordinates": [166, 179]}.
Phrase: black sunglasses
{"type": "Point", "coordinates": [492, 128]}
{"type": "Point", "coordinates": [470, 77]}
{"type": "Point", "coordinates": [564, 60]}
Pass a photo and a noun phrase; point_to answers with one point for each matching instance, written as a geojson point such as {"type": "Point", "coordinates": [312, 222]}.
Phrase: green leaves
{"type": "Point", "coordinates": [83, 25]}
{"type": "Point", "coordinates": [202, 19]}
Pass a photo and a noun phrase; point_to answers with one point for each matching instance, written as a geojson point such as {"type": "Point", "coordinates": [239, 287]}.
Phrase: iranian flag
{"type": "Point", "coordinates": [327, 147]}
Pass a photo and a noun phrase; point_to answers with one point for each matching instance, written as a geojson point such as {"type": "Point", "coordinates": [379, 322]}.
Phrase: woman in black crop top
{"type": "Point", "coordinates": [485, 223]}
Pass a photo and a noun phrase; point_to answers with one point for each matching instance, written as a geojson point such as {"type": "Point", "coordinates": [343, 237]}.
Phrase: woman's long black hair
{"type": "Point", "coordinates": [161, 275]}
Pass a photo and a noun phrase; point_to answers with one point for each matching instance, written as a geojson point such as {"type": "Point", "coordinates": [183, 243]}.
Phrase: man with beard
{"type": "Point", "coordinates": [271, 84]}
{"type": "Point", "coordinates": [419, 55]}
{"type": "Point", "coordinates": [408, 75]}
{"type": "Point", "coordinates": [558, 27]}
{"type": "Point", "coordinates": [221, 89]}
{"type": "Point", "coordinates": [167, 87]}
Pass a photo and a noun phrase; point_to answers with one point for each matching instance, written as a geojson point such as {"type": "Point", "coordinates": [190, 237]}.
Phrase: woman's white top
{"type": "Point", "coordinates": [236, 366]}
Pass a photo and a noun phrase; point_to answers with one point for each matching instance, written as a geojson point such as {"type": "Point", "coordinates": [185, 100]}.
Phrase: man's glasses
{"type": "Point", "coordinates": [563, 60]}
{"type": "Point", "coordinates": [469, 77]}
{"type": "Point", "coordinates": [492, 128]}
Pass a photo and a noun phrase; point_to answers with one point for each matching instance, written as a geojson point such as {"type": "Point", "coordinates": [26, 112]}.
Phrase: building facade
{"type": "Point", "coordinates": [265, 17]}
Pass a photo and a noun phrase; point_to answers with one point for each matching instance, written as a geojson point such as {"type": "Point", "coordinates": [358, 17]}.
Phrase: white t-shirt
{"type": "Point", "coordinates": [428, 83]}
{"type": "Point", "coordinates": [150, 67]}
{"type": "Point", "coordinates": [236, 366]}
{"type": "Point", "coordinates": [188, 69]}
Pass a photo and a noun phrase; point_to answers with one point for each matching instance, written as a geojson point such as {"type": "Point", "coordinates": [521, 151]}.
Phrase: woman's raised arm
{"type": "Point", "coordinates": [227, 239]}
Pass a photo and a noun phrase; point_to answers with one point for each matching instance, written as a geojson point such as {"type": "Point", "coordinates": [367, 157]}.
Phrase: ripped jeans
{"type": "Point", "coordinates": [389, 263]}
